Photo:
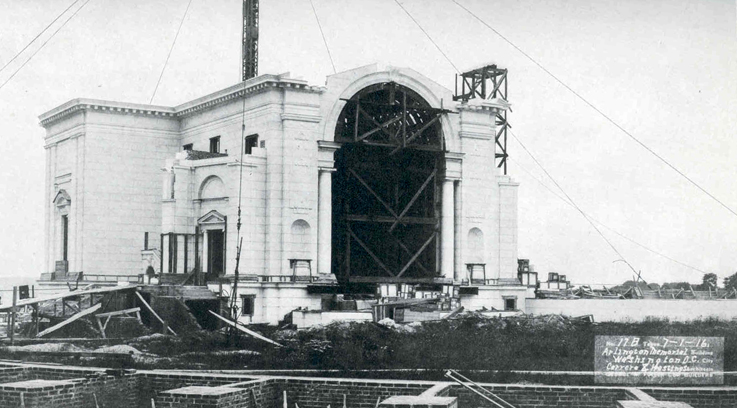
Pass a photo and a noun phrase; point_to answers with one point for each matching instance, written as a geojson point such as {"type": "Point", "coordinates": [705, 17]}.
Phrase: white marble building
{"type": "Point", "coordinates": [132, 186]}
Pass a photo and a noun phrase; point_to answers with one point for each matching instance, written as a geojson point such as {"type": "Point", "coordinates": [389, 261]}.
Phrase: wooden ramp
{"type": "Point", "coordinates": [66, 295]}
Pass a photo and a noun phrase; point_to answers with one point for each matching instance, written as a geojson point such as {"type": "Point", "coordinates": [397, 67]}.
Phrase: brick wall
{"type": "Point", "coordinates": [153, 383]}
{"type": "Point", "coordinates": [319, 392]}
{"type": "Point", "coordinates": [257, 394]}
{"type": "Point", "coordinates": [60, 373]}
{"type": "Point", "coordinates": [542, 396]}
{"type": "Point", "coordinates": [105, 391]}
{"type": "Point", "coordinates": [697, 397]}
{"type": "Point", "coordinates": [137, 390]}
{"type": "Point", "coordinates": [10, 374]}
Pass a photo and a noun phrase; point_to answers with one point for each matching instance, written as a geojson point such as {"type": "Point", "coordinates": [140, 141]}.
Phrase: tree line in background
{"type": "Point", "coordinates": [708, 281]}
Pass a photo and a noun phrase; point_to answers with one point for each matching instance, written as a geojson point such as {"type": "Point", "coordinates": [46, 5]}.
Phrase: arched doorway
{"type": "Point", "coordinates": [385, 191]}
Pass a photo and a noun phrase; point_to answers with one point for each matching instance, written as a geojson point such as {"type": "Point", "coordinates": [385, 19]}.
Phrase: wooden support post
{"type": "Point", "coordinates": [102, 328]}
{"type": "Point", "coordinates": [12, 315]}
{"type": "Point", "coordinates": [150, 309]}
{"type": "Point", "coordinates": [255, 401]}
{"type": "Point", "coordinates": [38, 316]}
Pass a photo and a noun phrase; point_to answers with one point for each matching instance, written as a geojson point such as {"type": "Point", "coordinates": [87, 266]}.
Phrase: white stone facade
{"type": "Point", "coordinates": [117, 172]}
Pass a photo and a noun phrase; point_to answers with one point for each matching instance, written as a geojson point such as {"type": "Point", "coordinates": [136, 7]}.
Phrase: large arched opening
{"type": "Point", "coordinates": [385, 190]}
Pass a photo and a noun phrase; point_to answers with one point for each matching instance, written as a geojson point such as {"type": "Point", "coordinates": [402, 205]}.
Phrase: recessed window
{"type": "Point", "coordinates": [247, 304]}
{"type": "Point", "coordinates": [510, 303]}
{"type": "Point", "coordinates": [187, 147]}
{"type": "Point", "coordinates": [250, 142]}
{"type": "Point", "coordinates": [215, 144]}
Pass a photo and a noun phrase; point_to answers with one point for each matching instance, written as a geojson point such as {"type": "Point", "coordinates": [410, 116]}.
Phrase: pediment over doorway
{"type": "Point", "coordinates": [62, 199]}
{"type": "Point", "coordinates": [211, 218]}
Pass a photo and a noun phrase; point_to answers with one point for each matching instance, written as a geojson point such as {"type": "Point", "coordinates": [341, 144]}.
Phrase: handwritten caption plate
{"type": "Point", "coordinates": [658, 360]}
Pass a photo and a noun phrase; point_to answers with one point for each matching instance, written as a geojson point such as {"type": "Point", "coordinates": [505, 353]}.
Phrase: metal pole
{"type": "Point", "coordinates": [448, 374]}
{"type": "Point", "coordinates": [479, 386]}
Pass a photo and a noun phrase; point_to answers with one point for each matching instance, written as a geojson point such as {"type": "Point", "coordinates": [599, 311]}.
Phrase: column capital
{"type": "Point", "coordinates": [328, 146]}
{"type": "Point", "coordinates": [325, 154]}
{"type": "Point", "coordinates": [452, 165]}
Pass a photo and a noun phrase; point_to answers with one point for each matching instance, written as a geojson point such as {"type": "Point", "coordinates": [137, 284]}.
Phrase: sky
{"type": "Point", "coordinates": [664, 70]}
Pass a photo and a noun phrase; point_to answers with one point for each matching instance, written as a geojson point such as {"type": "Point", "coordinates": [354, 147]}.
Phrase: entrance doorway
{"type": "Point", "coordinates": [386, 195]}
{"type": "Point", "coordinates": [215, 252]}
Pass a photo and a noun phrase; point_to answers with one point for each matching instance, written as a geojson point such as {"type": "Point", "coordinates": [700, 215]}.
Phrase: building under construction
{"type": "Point", "coordinates": [380, 182]}
{"type": "Point", "coordinates": [282, 195]}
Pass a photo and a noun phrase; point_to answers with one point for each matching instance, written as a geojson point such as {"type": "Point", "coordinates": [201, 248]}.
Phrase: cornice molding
{"type": "Point", "coordinates": [465, 134]}
{"type": "Point", "coordinates": [299, 117]}
{"type": "Point", "coordinates": [237, 91]}
{"type": "Point", "coordinates": [78, 105]}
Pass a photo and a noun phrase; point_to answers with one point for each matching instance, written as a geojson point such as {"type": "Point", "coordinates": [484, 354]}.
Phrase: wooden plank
{"type": "Point", "coordinates": [244, 330]}
{"type": "Point", "coordinates": [68, 294]}
{"type": "Point", "coordinates": [386, 219]}
{"type": "Point", "coordinates": [412, 260]}
{"type": "Point", "coordinates": [371, 254]}
{"type": "Point", "coordinates": [381, 127]}
{"type": "Point", "coordinates": [412, 201]}
{"type": "Point", "coordinates": [405, 249]}
{"type": "Point", "coordinates": [408, 302]}
{"type": "Point", "coordinates": [389, 279]}
{"type": "Point", "coordinates": [150, 309]}
{"type": "Point", "coordinates": [92, 354]}
{"type": "Point", "coordinates": [119, 312]}
{"type": "Point", "coordinates": [453, 313]}
{"type": "Point", "coordinates": [370, 190]}
{"type": "Point", "coordinates": [423, 128]}
{"type": "Point", "coordinates": [74, 317]}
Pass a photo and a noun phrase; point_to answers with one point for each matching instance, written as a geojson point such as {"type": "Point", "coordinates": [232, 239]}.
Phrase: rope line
{"type": "Point", "coordinates": [323, 36]}
{"type": "Point", "coordinates": [604, 115]}
{"type": "Point", "coordinates": [181, 23]}
{"type": "Point", "coordinates": [234, 298]}
{"type": "Point", "coordinates": [427, 35]}
{"type": "Point", "coordinates": [558, 196]}
{"type": "Point", "coordinates": [39, 34]}
{"type": "Point", "coordinates": [622, 258]}
{"type": "Point", "coordinates": [44, 44]}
